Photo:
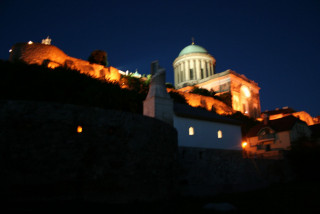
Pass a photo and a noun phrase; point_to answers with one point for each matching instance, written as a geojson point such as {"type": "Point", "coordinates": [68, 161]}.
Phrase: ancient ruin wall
{"type": "Point", "coordinates": [51, 56]}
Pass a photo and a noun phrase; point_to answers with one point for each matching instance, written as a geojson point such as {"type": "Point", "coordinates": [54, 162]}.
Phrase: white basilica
{"type": "Point", "coordinates": [194, 66]}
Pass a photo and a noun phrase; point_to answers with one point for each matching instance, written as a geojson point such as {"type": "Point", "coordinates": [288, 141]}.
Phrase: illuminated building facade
{"type": "Point", "coordinates": [196, 67]}
{"type": "Point", "coordinates": [271, 137]}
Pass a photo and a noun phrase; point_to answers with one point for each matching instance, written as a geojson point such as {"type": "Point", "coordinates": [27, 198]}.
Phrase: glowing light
{"type": "Point", "coordinates": [246, 91]}
{"type": "Point", "coordinates": [79, 129]}
{"type": "Point", "coordinates": [244, 144]}
{"type": "Point", "coordinates": [191, 131]}
{"type": "Point", "coordinates": [10, 50]}
{"type": "Point", "coordinates": [30, 42]}
{"type": "Point", "coordinates": [219, 134]}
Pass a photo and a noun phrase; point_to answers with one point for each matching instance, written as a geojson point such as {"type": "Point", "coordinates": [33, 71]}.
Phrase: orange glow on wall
{"type": "Point", "coordinates": [244, 145]}
{"type": "Point", "coordinates": [245, 91]}
{"type": "Point", "coordinates": [79, 129]}
{"type": "Point", "coordinates": [37, 53]}
{"type": "Point", "coordinates": [302, 115]}
{"type": "Point", "coordinates": [196, 100]}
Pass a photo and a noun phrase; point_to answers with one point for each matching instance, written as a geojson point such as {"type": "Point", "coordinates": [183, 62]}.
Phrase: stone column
{"type": "Point", "coordinates": [176, 75]}
{"type": "Point", "coordinates": [207, 67]}
{"type": "Point", "coordinates": [187, 71]}
{"type": "Point", "coordinates": [191, 68]}
{"type": "Point", "coordinates": [182, 71]}
{"type": "Point", "coordinates": [212, 68]}
{"type": "Point", "coordinates": [198, 70]}
{"type": "Point", "coordinates": [203, 66]}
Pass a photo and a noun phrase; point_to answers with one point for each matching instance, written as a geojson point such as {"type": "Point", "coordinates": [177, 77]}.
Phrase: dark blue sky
{"type": "Point", "coordinates": [276, 43]}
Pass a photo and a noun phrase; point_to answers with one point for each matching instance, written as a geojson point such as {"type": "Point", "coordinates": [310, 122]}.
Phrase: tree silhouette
{"type": "Point", "coordinates": [98, 57]}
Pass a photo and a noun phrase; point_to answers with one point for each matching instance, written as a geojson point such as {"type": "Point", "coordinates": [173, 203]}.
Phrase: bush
{"type": "Point", "coordinates": [38, 83]}
{"type": "Point", "coordinates": [98, 57]}
{"type": "Point", "coordinates": [203, 91]}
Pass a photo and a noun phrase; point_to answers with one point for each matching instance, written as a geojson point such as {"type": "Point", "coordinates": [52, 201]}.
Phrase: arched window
{"type": "Point", "coordinates": [191, 130]}
{"type": "Point", "coordinates": [219, 134]}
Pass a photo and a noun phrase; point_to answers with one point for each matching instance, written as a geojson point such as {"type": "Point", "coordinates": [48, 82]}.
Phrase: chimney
{"type": "Point", "coordinates": [265, 117]}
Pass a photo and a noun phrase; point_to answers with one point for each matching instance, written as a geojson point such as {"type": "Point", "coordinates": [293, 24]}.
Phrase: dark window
{"type": "Point", "coordinates": [191, 74]}
{"type": "Point", "coordinates": [268, 148]}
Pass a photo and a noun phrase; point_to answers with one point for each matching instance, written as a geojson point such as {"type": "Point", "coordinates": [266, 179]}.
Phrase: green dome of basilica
{"type": "Point", "coordinates": [192, 49]}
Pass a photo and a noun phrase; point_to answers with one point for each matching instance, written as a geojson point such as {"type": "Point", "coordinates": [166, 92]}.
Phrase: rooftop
{"type": "Point", "coordinates": [192, 49]}
{"type": "Point", "coordinates": [183, 110]}
{"type": "Point", "coordinates": [279, 125]}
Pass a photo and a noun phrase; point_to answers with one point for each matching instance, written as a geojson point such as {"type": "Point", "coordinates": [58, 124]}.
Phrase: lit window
{"type": "Point", "coordinates": [219, 134]}
{"type": "Point", "coordinates": [79, 129]}
{"type": "Point", "coordinates": [244, 145]}
{"type": "Point", "coordinates": [191, 131]}
{"type": "Point", "coordinates": [10, 50]}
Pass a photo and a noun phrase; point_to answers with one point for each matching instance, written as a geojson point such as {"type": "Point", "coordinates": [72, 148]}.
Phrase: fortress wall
{"type": "Point", "coordinates": [119, 156]}
{"type": "Point", "coordinates": [52, 57]}
{"type": "Point", "coordinates": [196, 100]}
{"type": "Point", "coordinates": [207, 172]}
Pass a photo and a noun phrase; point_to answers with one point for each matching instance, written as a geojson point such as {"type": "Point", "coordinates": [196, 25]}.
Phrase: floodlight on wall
{"type": "Point", "coordinates": [79, 129]}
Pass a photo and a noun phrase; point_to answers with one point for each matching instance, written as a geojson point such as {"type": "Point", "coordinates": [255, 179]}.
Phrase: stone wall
{"type": "Point", "coordinates": [51, 56]}
{"type": "Point", "coordinates": [196, 100]}
{"type": "Point", "coordinates": [118, 157]}
{"type": "Point", "coordinates": [207, 172]}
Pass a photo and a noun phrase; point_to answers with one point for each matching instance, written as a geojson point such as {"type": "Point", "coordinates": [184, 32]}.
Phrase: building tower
{"type": "Point", "coordinates": [193, 65]}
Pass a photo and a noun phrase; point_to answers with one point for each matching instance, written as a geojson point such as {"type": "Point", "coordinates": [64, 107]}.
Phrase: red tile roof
{"type": "Point", "coordinates": [279, 125]}
{"type": "Point", "coordinates": [280, 111]}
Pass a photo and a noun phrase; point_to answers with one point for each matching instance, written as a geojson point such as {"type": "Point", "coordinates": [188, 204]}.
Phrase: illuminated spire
{"type": "Point", "coordinates": [192, 38]}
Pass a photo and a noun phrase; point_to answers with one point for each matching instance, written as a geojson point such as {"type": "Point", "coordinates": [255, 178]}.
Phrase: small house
{"type": "Point", "coordinates": [273, 136]}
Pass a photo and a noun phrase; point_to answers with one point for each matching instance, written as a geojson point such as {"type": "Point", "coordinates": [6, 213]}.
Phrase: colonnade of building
{"type": "Point", "coordinates": [191, 68]}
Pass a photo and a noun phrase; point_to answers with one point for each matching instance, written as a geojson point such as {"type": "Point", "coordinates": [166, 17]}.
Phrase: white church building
{"type": "Point", "coordinates": [196, 127]}
{"type": "Point", "coordinates": [200, 128]}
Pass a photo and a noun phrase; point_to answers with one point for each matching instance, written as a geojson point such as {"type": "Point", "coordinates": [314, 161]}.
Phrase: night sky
{"type": "Point", "coordinates": [275, 43]}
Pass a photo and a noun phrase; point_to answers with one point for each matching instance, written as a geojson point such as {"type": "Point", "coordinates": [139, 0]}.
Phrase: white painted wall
{"type": "Point", "coordinates": [206, 134]}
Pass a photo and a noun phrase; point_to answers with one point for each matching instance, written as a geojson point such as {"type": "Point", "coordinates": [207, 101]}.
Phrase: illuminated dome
{"type": "Point", "coordinates": [193, 66]}
{"type": "Point", "coordinates": [192, 49]}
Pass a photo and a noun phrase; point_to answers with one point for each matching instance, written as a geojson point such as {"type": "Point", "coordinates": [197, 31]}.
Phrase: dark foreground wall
{"type": "Point", "coordinates": [207, 172]}
{"type": "Point", "coordinates": [119, 157]}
